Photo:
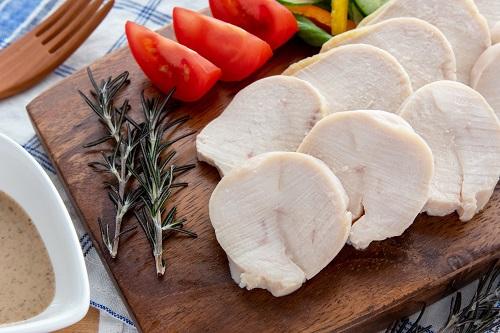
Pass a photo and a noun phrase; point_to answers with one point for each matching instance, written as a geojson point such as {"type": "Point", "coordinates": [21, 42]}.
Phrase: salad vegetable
{"type": "Point", "coordinates": [236, 52]}
{"type": "Point", "coordinates": [369, 6]}
{"type": "Point", "coordinates": [266, 19]}
{"type": "Point", "coordinates": [311, 33]}
{"type": "Point", "coordinates": [315, 13]}
{"type": "Point", "coordinates": [355, 14]}
{"type": "Point", "coordinates": [331, 16]}
{"type": "Point", "coordinates": [339, 16]}
{"type": "Point", "coordinates": [300, 2]}
{"type": "Point", "coordinates": [169, 64]}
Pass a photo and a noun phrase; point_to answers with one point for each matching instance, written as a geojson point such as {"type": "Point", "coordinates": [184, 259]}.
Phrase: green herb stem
{"type": "Point", "coordinates": [124, 134]}
{"type": "Point", "coordinates": [157, 177]}
{"type": "Point", "coordinates": [480, 315]}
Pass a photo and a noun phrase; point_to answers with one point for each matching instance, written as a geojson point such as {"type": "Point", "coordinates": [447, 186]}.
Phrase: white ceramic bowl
{"type": "Point", "coordinates": [23, 179]}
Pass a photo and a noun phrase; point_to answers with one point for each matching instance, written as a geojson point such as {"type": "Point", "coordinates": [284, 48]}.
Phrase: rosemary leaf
{"type": "Point", "coordinates": [405, 326]}
{"type": "Point", "coordinates": [480, 315]}
{"type": "Point", "coordinates": [157, 177]}
{"type": "Point", "coordinates": [483, 311]}
{"type": "Point", "coordinates": [125, 136]}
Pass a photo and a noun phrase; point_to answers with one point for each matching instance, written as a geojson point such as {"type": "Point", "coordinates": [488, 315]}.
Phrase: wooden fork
{"type": "Point", "coordinates": [32, 57]}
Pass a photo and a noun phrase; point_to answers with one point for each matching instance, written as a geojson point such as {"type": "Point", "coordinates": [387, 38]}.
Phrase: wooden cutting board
{"type": "Point", "coordinates": [360, 291]}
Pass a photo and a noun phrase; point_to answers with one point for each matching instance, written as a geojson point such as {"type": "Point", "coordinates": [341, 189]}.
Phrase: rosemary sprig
{"type": "Point", "coordinates": [125, 135]}
{"type": "Point", "coordinates": [405, 326]}
{"type": "Point", "coordinates": [158, 177]}
{"type": "Point", "coordinates": [481, 315]}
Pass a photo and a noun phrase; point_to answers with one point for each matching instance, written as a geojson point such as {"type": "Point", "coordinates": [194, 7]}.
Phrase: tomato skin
{"type": "Point", "coordinates": [236, 52]}
{"type": "Point", "coordinates": [169, 64]}
{"type": "Point", "coordinates": [266, 19]}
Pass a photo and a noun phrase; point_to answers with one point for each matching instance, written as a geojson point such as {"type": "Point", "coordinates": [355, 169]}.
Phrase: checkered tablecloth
{"type": "Point", "coordinates": [19, 16]}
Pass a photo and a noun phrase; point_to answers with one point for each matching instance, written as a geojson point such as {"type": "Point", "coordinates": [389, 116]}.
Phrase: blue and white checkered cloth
{"type": "Point", "coordinates": [18, 17]}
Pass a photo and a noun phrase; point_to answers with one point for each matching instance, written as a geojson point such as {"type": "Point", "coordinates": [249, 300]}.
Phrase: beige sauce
{"type": "Point", "coordinates": [26, 275]}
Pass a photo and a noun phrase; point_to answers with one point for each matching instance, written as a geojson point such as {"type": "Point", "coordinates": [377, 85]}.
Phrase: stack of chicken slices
{"type": "Point", "coordinates": [389, 120]}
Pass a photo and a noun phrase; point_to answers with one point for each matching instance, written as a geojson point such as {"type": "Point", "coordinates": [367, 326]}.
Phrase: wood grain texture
{"type": "Point", "coordinates": [359, 291]}
{"type": "Point", "coordinates": [89, 324]}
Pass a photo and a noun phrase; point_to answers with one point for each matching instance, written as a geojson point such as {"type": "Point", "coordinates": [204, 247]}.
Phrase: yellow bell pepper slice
{"type": "Point", "coordinates": [317, 14]}
{"type": "Point", "coordinates": [339, 16]}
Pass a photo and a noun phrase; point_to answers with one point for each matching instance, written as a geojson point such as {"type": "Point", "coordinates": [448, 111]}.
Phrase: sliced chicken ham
{"type": "Point", "coordinates": [280, 218]}
{"type": "Point", "coordinates": [464, 135]}
{"type": "Point", "coordinates": [490, 9]}
{"type": "Point", "coordinates": [422, 50]}
{"type": "Point", "coordinates": [486, 77]}
{"type": "Point", "coordinates": [495, 34]}
{"type": "Point", "coordinates": [353, 77]}
{"type": "Point", "coordinates": [385, 167]}
{"type": "Point", "coordinates": [272, 114]}
{"type": "Point", "coordinates": [459, 20]}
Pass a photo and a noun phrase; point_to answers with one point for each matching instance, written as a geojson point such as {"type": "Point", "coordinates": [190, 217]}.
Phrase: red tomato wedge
{"type": "Point", "coordinates": [169, 64]}
{"type": "Point", "coordinates": [236, 52]}
{"type": "Point", "coordinates": [266, 19]}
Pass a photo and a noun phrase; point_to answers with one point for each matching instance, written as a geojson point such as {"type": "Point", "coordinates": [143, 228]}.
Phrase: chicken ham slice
{"type": "Point", "coordinates": [486, 77]}
{"type": "Point", "coordinates": [490, 9]}
{"type": "Point", "coordinates": [459, 20]}
{"type": "Point", "coordinates": [385, 167]}
{"type": "Point", "coordinates": [280, 218]}
{"type": "Point", "coordinates": [464, 135]}
{"type": "Point", "coordinates": [354, 77]}
{"type": "Point", "coordinates": [422, 50]}
{"type": "Point", "coordinates": [495, 34]}
{"type": "Point", "coordinates": [272, 114]}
